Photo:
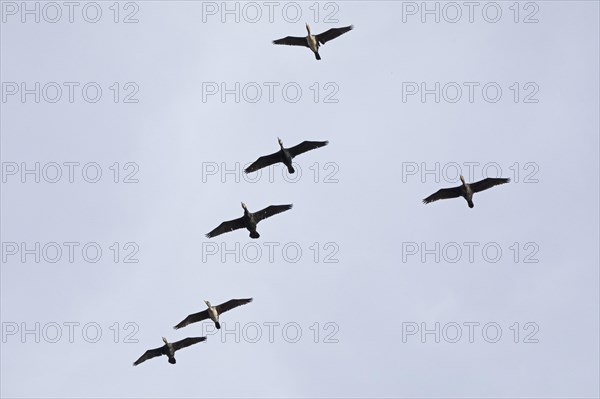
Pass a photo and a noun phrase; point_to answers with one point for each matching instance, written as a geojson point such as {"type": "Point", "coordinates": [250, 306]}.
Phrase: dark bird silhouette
{"type": "Point", "coordinates": [212, 312]}
{"type": "Point", "coordinates": [284, 155]}
{"type": "Point", "coordinates": [168, 349]}
{"type": "Point", "coordinates": [249, 220]}
{"type": "Point", "coordinates": [313, 42]}
{"type": "Point", "coordinates": [465, 190]}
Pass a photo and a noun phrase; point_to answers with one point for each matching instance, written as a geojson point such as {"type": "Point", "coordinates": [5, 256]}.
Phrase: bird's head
{"type": "Point", "coordinates": [280, 142]}
{"type": "Point", "coordinates": [164, 340]}
{"type": "Point", "coordinates": [307, 28]}
{"type": "Point", "coordinates": [207, 303]}
{"type": "Point", "coordinates": [462, 179]}
{"type": "Point", "coordinates": [244, 206]}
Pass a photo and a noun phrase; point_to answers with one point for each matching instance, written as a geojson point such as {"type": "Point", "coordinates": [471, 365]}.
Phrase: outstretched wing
{"type": "Point", "coordinates": [226, 227]}
{"type": "Point", "coordinates": [332, 34]}
{"type": "Point", "coordinates": [487, 183]}
{"type": "Point", "coordinates": [234, 303]}
{"type": "Point", "coordinates": [270, 211]}
{"type": "Point", "coordinates": [292, 41]}
{"type": "Point", "coordinates": [306, 146]}
{"type": "Point", "coordinates": [264, 161]}
{"type": "Point", "coordinates": [187, 342]}
{"type": "Point", "coordinates": [150, 353]}
{"type": "Point", "coordinates": [444, 193]}
{"type": "Point", "coordinates": [193, 318]}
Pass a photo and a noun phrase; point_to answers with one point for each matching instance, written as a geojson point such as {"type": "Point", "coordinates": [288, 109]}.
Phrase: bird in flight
{"type": "Point", "coordinates": [313, 42]}
{"type": "Point", "coordinates": [249, 220]}
{"type": "Point", "coordinates": [284, 155]}
{"type": "Point", "coordinates": [465, 190]}
{"type": "Point", "coordinates": [212, 312]}
{"type": "Point", "coordinates": [168, 349]}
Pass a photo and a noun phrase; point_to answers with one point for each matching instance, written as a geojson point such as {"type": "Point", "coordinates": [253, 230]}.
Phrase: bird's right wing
{"type": "Point", "coordinates": [187, 342]}
{"type": "Point", "coordinates": [270, 211]}
{"type": "Point", "coordinates": [332, 34]}
{"type": "Point", "coordinates": [150, 353]}
{"type": "Point", "coordinates": [193, 318]}
{"type": "Point", "coordinates": [233, 303]}
{"type": "Point", "coordinates": [444, 193]}
{"type": "Point", "coordinates": [292, 41]}
{"type": "Point", "coordinates": [226, 227]}
{"type": "Point", "coordinates": [306, 146]}
{"type": "Point", "coordinates": [263, 162]}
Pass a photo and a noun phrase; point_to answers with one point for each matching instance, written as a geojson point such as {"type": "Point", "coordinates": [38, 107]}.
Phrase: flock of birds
{"type": "Point", "coordinates": [213, 313]}
{"type": "Point", "coordinates": [250, 220]}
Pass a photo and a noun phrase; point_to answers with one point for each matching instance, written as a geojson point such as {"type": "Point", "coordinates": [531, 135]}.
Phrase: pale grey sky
{"type": "Point", "coordinates": [366, 271]}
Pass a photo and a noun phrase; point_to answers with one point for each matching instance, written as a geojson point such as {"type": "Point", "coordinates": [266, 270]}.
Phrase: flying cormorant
{"type": "Point", "coordinates": [249, 220]}
{"type": "Point", "coordinates": [314, 41]}
{"type": "Point", "coordinates": [212, 312]}
{"type": "Point", "coordinates": [284, 155]}
{"type": "Point", "coordinates": [168, 349]}
{"type": "Point", "coordinates": [465, 190]}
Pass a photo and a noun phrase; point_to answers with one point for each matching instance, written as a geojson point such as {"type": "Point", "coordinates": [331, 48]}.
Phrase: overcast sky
{"type": "Point", "coordinates": [172, 105]}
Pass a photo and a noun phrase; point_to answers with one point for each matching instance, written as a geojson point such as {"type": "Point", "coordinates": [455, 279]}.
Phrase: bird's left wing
{"type": "Point", "coordinates": [226, 227]}
{"type": "Point", "coordinates": [270, 211]}
{"type": "Point", "coordinates": [332, 34]}
{"type": "Point", "coordinates": [487, 183]}
{"type": "Point", "coordinates": [193, 318]}
{"type": "Point", "coordinates": [306, 146]}
{"type": "Point", "coordinates": [263, 161]}
{"type": "Point", "coordinates": [292, 41]}
{"type": "Point", "coordinates": [149, 354]}
{"type": "Point", "coordinates": [444, 193]}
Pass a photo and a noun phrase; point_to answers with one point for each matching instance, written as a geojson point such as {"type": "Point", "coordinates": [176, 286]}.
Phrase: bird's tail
{"type": "Point", "coordinates": [172, 360]}
{"type": "Point", "coordinates": [253, 234]}
{"type": "Point", "coordinates": [317, 56]}
{"type": "Point", "coordinates": [471, 205]}
{"type": "Point", "coordinates": [290, 169]}
{"type": "Point", "coordinates": [218, 325]}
